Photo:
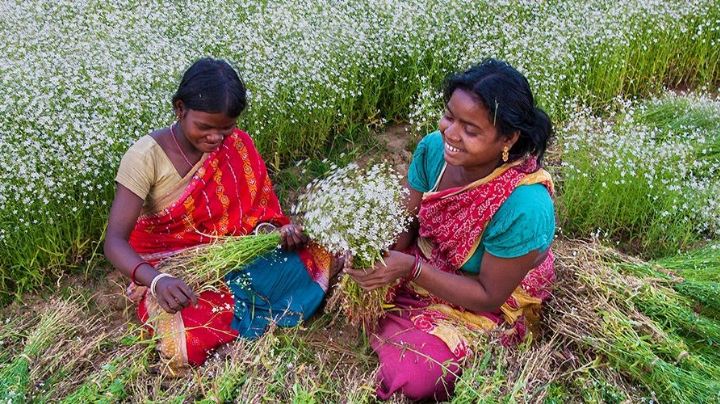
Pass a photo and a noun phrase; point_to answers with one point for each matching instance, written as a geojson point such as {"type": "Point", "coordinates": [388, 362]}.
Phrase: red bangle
{"type": "Point", "coordinates": [132, 275]}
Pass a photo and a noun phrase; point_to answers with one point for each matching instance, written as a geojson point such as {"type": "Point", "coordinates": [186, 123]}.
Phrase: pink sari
{"type": "Point", "coordinates": [423, 341]}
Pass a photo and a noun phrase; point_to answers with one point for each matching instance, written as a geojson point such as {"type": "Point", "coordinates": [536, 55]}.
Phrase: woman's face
{"type": "Point", "coordinates": [471, 140]}
{"type": "Point", "coordinates": [204, 130]}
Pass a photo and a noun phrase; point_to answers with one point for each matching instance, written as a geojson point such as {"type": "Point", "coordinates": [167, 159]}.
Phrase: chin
{"type": "Point", "coordinates": [450, 159]}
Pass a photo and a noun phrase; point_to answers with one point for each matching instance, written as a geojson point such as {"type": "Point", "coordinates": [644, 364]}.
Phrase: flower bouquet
{"type": "Point", "coordinates": [360, 212]}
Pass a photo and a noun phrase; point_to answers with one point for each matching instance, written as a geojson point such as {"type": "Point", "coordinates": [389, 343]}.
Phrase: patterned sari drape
{"type": "Point", "coordinates": [452, 223]}
{"type": "Point", "coordinates": [228, 195]}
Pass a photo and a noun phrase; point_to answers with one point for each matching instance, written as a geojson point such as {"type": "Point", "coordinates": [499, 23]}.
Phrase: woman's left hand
{"type": "Point", "coordinates": [292, 237]}
{"type": "Point", "coordinates": [397, 265]}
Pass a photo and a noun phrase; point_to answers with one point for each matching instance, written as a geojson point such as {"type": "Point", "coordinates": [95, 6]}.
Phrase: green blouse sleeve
{"type": "Point", "coordinates": [524, 223]}
{"type": "Point", "coordinates": [427, 162]}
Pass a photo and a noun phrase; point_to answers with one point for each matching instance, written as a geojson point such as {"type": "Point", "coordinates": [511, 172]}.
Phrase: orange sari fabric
{"type": "Point", "coordinates": [229, 195]}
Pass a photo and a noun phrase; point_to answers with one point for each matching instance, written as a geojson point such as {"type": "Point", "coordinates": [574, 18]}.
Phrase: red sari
{"type": "Point", "coordinates": [229, 195]}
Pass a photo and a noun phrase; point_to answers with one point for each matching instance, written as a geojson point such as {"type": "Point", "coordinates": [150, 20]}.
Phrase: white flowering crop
{"type": "Point", "coordinates": [80, 80]}
{"type": "Point", "coordinates": [360, 211]}
{"type": "Point", "coordinates": [648, 173]}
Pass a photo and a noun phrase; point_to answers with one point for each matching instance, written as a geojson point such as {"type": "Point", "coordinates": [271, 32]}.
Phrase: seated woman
{"type": "Point", "coordinates": [478, 255]}
{"type": "Point", "coordinates": [186, 184]}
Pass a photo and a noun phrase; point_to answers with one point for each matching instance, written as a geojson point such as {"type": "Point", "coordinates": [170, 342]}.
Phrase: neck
{"type": "Point", "coordinates": [185, 145]}
{"type": "Point", "coordinates": [472, 174]}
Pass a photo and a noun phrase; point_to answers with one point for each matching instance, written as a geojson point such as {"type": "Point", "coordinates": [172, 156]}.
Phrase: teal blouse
{"type": "Point", "coordinates": [524, 223]}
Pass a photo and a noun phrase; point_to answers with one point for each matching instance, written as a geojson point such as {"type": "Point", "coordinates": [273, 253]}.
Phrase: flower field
{"type": "Point", "coordinates": [633, 89]}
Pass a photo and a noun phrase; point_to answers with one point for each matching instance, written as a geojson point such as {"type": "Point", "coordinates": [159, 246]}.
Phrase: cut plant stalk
{"type": "Point", "coordinates": [204, 267]}
{"type": "Point", "coordinates": [56, 322]}
{"type": "Point", "coordinates": [357, 212]}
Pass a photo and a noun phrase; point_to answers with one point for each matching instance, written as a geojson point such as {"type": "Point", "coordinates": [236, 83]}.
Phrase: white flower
{"type": "Point", "coordinates": [356, 210]}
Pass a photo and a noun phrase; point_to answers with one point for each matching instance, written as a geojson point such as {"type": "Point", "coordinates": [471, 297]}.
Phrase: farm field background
{"type": "Point", "coordinates": [632, 89]}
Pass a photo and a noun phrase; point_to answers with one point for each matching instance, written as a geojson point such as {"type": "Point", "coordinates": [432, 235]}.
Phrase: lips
{"type": "Point", "coordinates": [452, 149]}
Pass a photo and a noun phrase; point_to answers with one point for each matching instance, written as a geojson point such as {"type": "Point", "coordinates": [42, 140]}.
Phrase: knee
{"type": "Point", "coordinates": [417, 376]}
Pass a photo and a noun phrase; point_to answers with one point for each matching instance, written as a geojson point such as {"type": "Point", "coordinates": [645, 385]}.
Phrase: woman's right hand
{"type": "Point", "coordinates": [173, 295]}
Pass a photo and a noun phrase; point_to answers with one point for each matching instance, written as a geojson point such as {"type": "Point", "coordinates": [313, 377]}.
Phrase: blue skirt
{"type": "Point", "coordinates": [274, 288]}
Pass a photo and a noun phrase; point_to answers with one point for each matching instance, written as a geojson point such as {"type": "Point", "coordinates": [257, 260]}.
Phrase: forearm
{"type": "Point", "coordinates": [125, 260]}
{"type": "Point", "coordinates": [461, 290]}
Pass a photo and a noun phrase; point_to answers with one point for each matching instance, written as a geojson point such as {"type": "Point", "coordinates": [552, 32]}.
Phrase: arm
{"type": "Point", "coordinates": [172, 293]}
{"type": "Point", "coordinates": [412, 205]}
{"type": "Point", "coordinates": [487, 291]}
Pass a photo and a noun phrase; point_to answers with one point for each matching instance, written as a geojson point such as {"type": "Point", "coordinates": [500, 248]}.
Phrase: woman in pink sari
{"type": "Point", "coordinates": [478, 255]}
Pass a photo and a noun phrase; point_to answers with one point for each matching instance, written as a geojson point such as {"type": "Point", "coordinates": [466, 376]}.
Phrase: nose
{"type": "Point", "coordinates": [449, 131]}
{"type": "Point", "coordinates": [216, 137]}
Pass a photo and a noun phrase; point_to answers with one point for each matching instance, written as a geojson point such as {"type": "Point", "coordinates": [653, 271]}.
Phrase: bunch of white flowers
{"type": "Point", "coordinates": [355, 210]}
{"type": "Point", "coordinates": [360, 211]}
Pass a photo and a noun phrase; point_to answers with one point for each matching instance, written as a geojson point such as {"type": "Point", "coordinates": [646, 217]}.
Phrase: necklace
{"type": "Point", "coordinates": [187, 160]}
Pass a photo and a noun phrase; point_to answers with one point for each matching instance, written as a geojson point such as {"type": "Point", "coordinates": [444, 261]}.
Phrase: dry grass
{"type": "Point", "coordinates": [597, 344]}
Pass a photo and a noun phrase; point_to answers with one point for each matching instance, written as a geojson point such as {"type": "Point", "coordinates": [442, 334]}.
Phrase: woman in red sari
{"type": "Point", "coordinates": [478, 256]}
{"type": "Point", "coordinates": [186, 184]}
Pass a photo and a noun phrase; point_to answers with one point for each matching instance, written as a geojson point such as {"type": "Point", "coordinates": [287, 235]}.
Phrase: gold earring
{"type": "Point", "coordinates": [506, 154]}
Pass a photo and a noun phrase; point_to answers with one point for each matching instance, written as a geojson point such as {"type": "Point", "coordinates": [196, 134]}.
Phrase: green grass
{"type": "Point", "coordinates": [617, 330]}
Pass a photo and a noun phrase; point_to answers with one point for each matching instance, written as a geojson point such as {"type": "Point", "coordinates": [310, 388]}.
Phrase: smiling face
{"type": "Point", "coordinates": [204, 131]}
{"type": "Point", "coordinates": [471, 140]}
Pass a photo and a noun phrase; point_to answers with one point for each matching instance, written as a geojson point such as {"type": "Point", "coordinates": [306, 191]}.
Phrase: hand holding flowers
{"type": "Point", "coordinates": [359, 212]}
{"type": "Point", "coordinates": [292, 237]}
{"type": "Point", "coordinates": [394, 265]}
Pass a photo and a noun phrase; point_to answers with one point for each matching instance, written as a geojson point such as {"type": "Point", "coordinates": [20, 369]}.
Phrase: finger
{"type": "Point", "coordinates": [179, 296]}
{"type": "Point", "coordinates": [355, 273]}
{"type": "Point", "coordinates": [171, 301]}
{"type": "Point", "coordinates": [367, 285]}
{"type": "Point", "coordinates": [165, 305]}
{"type": "Point", "coordinates": [189, 293]}
{"type": "Point", "coordinates": [297, 230]}
{"type": "Point", "coordinates": [297, 239]}
{"type": "Point", "coordinates": [283, 239]}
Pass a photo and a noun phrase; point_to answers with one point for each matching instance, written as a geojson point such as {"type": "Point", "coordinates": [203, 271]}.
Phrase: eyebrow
{"type": "Point", "coordinates": [447, 106]}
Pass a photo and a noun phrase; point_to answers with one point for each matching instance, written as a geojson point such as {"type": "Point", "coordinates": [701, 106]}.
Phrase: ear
{"type": "Point", "coordinates": [512, 139]}
{"type": "Point", "coordinates": [179, 108]}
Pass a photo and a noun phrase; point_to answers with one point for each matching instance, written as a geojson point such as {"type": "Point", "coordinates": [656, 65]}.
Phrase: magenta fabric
{"type": "Point", "coordinates": [412, 362]}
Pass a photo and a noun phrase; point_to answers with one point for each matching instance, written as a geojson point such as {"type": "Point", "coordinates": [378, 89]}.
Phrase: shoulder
{"type": "Point", "coordinates": [529, 198]}
{"type": "Point", "coordinates": [432, 141]}
{"type": "Point", "coordinates": [145, 150]}
{"type": "Point", "coordinates": [528, 207]}
{"type": "Point", "coordinates": [137, 167]}
{"type": "Point", "coordinates": [524, 223]}
{"type": "Point", "coordinates": [145, 144]}
{"type": "Point", "coordinates": [428, 160]}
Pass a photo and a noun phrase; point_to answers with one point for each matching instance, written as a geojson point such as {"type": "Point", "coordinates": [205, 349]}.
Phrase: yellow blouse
{"type": "Point", "coordinates": [147, 172]}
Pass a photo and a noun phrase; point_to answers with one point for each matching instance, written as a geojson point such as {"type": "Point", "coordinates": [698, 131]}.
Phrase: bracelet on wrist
{"type": "Point", "coordinates": [154, 282]}
{"type": "Point", "coordinates": [417, 268]}
{"type": "Point", "coordinates": [134, 271]}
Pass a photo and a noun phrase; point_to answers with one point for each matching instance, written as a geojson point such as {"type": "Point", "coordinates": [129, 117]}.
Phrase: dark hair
{"type": "Point", "coordinates": [212, 85]}
{"type": "Point", "coordinates": [507, 96]}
